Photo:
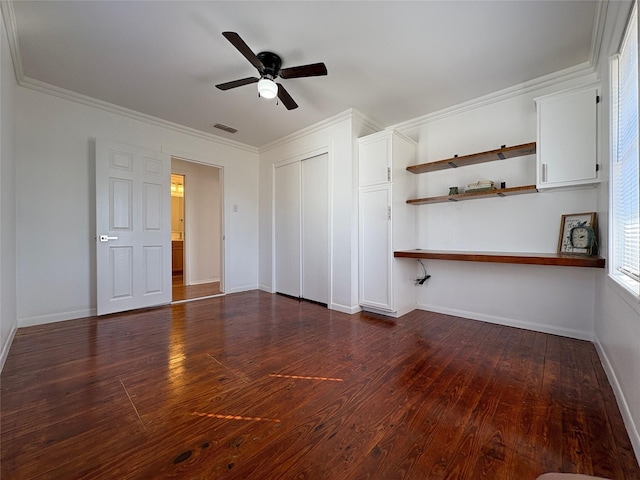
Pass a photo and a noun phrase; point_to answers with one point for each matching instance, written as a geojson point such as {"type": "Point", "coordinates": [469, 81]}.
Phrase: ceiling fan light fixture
{"type": "Point", "coordinates": [267, 88]}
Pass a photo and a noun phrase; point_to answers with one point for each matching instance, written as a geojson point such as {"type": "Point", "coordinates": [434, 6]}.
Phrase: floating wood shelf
{"type": "Point", "coordinates": [483, 157]}
{"type": "Point", "coordinates": [501, 192]}
{"type": "Point", "coordinates": [557, 259]}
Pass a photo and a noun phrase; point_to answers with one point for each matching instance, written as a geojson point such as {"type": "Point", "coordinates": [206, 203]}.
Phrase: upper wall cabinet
{"type": "Point", "coordinates": [567, 138]}
{"type": "Point", "coordinates": [375, 159]}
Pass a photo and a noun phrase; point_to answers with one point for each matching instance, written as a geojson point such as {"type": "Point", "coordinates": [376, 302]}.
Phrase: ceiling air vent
{"type": "Point", "coordinates": [226, 128]}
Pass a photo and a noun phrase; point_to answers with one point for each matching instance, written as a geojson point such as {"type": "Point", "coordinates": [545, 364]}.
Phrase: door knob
{"type": "Point", "coordinates": [106, 238]}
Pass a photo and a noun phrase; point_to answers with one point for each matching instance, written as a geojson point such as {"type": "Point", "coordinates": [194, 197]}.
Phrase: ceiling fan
{"type": "Point", "coordinates": [268, 65]}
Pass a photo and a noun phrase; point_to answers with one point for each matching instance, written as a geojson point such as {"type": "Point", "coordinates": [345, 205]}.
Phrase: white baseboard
{"type": "Point", "coordinates": [56, 317]}
{"type": "Point", "coordinates": [200, 282]}
{"type": "Point", "coordinates": [266, 288]}
{"type": "Point", "coordinates": [510, 322]}
{"type": "Point", "coordinates": [345, 308]}
{"type": "Point", "coordinates": [7, 346]}
{"type": "Point", "coordinates": [240, 288]}
{"type": "Point", "coordinates": [632, 429]}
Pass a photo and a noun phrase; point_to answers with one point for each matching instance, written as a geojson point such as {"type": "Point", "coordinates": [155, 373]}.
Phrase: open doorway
{"type": "Point", "coordinates": [196, 230]}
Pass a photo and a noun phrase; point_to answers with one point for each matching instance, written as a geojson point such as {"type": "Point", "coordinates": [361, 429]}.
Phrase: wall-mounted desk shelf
{"type": "Point", "coordinates": [557, 259]}
{"type": "Point", "coordinates": [483, 157]}
{"type": "Point", "coordinates": [501, 192]}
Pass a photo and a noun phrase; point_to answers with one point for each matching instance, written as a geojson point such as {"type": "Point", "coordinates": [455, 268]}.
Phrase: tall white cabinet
{"type": "Point", "coordinates": [386, 223]}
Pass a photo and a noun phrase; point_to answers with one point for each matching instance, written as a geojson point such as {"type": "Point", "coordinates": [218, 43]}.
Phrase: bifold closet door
{"type": "Point", "coordinates": [302, 229]}
{"type": "Point", "coordinates": [315, 229]}
{"type": "Point", "coordinates": [287, 228]}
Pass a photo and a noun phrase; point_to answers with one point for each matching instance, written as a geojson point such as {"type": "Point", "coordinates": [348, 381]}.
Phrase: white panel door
{"type": "Point", "coordinates": [133, 221]}
{"type": "Point", "coordinates": [315, 229]}
{"type": "Point", "coordinates": [375, 247]}
{"type": "Point", "coordinates": [287, 228]}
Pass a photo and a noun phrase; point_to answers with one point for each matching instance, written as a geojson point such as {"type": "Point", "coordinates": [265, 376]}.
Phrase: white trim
{"type": "Point", "coordinates": [266, 288]}
{"type": "Point", "coordinates": [241, 288]}
{"type": "Point", "coordinates": [345, 308]}
{"type": "Point", "coordinates": [201, 282]}
{"type": "Point", "coordinates": [510, 322]}
{"type": "Point", "coordinates": [14, 46]}
{"type": "Point", "coordinates": [598, 31]}
{"type": "Point", "coordinates": [9, 16]}
{"type": "Point", "coordinates": [46, 88]}
{"type": "Point", "coordinates": [349, 114]}
{"type": "Point", "coordinates": [627, 417]}
{"type": "Point", "coordinates": [56, 317]}
{"type": "Point", "coordinates": [495, 97]}
{"type": "Point", "coordinates": [7, 346]}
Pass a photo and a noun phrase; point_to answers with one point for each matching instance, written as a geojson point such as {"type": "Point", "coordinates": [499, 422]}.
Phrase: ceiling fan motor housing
{"type": "Point", "coordinates": [271, 64]}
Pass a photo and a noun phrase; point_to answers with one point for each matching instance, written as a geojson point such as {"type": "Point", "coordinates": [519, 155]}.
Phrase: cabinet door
{"type": "Point", "coordinates": [287, 229]}
{"type": "Point", "coordinates": [375, 159]}
{"type": "Point", "coordinates": [567, 135]}
{"type": "Point", "coordinates": [375, 247]}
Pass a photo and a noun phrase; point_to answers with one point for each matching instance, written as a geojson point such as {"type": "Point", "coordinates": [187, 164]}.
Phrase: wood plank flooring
{"type": "Point", "coordinates": [259, 386]}
{"type": "Point", "coordinates": [189, 292]}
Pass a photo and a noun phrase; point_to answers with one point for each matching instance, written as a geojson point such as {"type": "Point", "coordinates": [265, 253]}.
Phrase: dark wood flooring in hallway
{"type": "Point", "coordinates": [259, 386]}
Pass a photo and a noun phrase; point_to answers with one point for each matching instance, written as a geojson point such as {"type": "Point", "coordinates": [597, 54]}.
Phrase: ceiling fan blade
{"type": "Point", "coordinates": [285, 98]}
{"type": "Point", "coordinates": [243, 48]}
{"type": "Point", "coordinates": [311, 70]}
{"type": "Point", "coordinates": [237, 83]}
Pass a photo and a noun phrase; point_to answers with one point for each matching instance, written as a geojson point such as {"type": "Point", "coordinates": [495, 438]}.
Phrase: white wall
{"type": "Point", "coordinates": [550, 299]}
{"type": "Point", "coordinates": [8, 308]}
{"type": "Point", "coordinates": [336, 137]}
{"type": "Point", "coordinates": [203, 209]}
{"type": "Point", "coordinates": [617, 318]}
{"type": "Point", "coordinates": [55, 190]}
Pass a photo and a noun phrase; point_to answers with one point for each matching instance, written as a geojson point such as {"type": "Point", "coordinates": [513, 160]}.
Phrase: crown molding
{"type": "Point", "coordinates": [14, 45]}
{"type": "Point", "coordinates": [548, 80]}
{"type": "Point", "coordinates": [567, 74]}
{"type": "Point", "coordinates": [9, 18]}
{"type": "Point", "coordinates": [55, 91]}
{"type": "Point", "coordinates": [598, 31]}
{"type": "Point", "coordinates": [316, 127]}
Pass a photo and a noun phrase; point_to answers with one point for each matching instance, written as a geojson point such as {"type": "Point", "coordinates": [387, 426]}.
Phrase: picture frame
{"type": "Point", "coordinates": [569, 221]}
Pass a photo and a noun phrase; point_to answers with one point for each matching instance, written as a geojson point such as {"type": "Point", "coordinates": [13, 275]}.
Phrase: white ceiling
{"type": "Point", "coordinates": [391, 60]}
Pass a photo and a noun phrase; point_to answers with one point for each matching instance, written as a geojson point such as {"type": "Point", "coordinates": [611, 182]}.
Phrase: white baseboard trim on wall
{"type": "Point", "coordinates": [266, 288]}
{"type": "Point", "coordinates": [7, 346]}
{"type": "Point", "coordinates": [200, 282]}
{"type": "Point", "coordinates": [240, 288]}
{"type": "Point", "coordinates": [345, 308]}
{"type": "Point", "coordinates": [509, 322]}
{"type": "Point", "coordinates": [56, 317]}
{"type": "Point", "coordinates": [632, 429]}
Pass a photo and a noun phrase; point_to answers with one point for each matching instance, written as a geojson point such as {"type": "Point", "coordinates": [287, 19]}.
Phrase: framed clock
{"type": "Point", "coordinates": [578, 234]}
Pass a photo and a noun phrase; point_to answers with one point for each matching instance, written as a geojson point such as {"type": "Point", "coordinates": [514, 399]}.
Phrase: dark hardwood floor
{"type": "Point", "coordinates": [189, 292]}
{"type": "Point", "coordinates": [259, 386]}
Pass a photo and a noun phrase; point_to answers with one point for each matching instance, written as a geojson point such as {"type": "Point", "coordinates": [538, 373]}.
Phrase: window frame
{"type": "Point", "coordinates": [627, 282]}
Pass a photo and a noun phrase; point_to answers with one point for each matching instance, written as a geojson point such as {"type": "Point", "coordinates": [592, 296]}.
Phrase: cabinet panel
{"type": "Point", "coordinates": [287, 228]}
{"type": "Point", "coordinates": [375, 160]}
{"type": "Point", "coordinates": [567, 138]}
{"type": "Point", "coordinates": [375, 246]}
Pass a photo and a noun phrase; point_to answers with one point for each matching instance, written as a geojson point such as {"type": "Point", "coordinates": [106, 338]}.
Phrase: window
{"type": "Point", "coordinates": [625, 231]}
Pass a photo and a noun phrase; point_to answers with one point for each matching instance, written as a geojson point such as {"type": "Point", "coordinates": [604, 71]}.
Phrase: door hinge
{"type": "Point", "coordinates": [388, 213]}
{"type": "Point", "coordinates": [597, 98]}
{"type": "Point", "coordinates": [597, 167]}
{"type": "Point", "coordinates": [388, 174]}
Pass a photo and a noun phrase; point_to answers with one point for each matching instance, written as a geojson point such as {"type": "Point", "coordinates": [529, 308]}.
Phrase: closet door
{"type": "Point", "coordinates": [287, 228]}
{"type": "Point", "coordinates": [315, 229]}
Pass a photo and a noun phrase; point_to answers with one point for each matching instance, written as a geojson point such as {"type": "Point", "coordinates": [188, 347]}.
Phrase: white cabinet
{"type": "Point", "coordinates": [567, 138]}
{"type": "Point", "coordinates": [375, 245]}
{"type": "Point", "coordinates": [386, 223]}
{"type": "Point", "coordinates": [375, 159]}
